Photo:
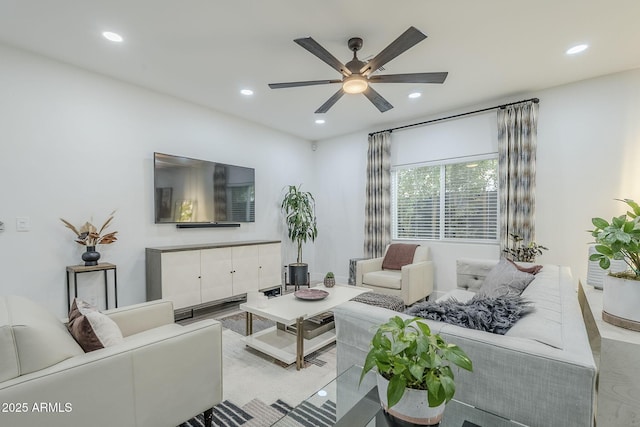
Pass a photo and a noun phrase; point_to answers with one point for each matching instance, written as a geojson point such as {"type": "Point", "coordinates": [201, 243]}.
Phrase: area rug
{"type": "Point", "coordinates": [259, 390]}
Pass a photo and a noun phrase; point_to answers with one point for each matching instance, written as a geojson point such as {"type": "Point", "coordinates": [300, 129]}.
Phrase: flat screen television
{"type": "Point", "coordinates": [199, 191]}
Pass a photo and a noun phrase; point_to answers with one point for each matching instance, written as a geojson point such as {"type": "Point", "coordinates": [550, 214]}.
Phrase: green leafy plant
{"type": "Point", "coordinates": [89, 235]}
{"type": "Point", "coordinates": [619, 240]}
{"type": "Point", "coordinates": [523, 252]}
{"type": "Point", "coordinates": [408, 355]}
{"type": "Point", "coordinates": [329, 275]}
{"type": "Point", "coordinates": [299, 210]}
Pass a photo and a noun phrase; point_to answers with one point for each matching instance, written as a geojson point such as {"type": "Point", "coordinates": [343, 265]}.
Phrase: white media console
{"type": "Point", "coordinates": [198, 275]}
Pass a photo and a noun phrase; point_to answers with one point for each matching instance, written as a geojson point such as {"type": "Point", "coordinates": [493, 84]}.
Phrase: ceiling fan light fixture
{"type": "Point", "coordinates": [355, 84]}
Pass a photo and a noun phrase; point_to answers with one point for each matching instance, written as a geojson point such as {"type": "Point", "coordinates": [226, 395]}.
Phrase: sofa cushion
{"type": "Point", "coordinates": [398, 255]}
{"type": "Point", "coordinates": [545, 325]}
{"type": "Point", "coordinates": [490, 314]}
{"type": "Point", "coordinates": [505, 279]}
{"type": "Point", "coordinates": [92, 329]}
{"type": "Point", "coordinates": [389, 279]}
{"type": "Point", "coordinates": [31, 338]}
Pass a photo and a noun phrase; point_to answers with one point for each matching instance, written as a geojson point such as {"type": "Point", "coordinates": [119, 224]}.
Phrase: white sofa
{"type": "Point", "coordinates": [412, 282]}
{"type": "Point", "coordinates": [162, 374]}
{"type": "Point", "coordinates": [541, 373]}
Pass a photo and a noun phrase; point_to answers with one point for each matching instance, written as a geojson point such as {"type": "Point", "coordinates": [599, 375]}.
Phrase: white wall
{"type": "Point", "coordinates": [78, 145]}
{"type": "Point", "coordinates": [588, 152]}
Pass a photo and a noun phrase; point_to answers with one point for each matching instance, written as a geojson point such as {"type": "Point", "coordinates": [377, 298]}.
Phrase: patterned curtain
{"type": "Point", "coordinates": [517, 140]}
{"type": "Point", "coordinates": [377, 221]}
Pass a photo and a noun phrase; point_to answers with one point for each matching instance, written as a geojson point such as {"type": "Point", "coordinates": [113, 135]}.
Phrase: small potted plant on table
{"type": "Point", "coordinates": [415, 379]}
{"type": "Point", "coordinates": [329, 280]}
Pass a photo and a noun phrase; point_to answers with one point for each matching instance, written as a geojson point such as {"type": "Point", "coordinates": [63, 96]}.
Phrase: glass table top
{"type": "Point", "coordinates": [343, 402]}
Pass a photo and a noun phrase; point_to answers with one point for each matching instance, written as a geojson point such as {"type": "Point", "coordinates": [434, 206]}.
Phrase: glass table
{"type": "Point", "coordinates": [343, 402]}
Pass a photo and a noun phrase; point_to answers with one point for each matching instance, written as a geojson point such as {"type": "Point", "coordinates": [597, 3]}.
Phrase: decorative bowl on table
{"type": "Point", "coordinates": [311, 294]}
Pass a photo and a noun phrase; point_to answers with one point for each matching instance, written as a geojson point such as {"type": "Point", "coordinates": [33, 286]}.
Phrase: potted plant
{"type": "Point", "coordinates": [523, 252]}
{"type": "Point", "coordinates": [299, 209]}
{"type": "Point", "coordinates": [620, 240]}
{"type": "Point", "coordinates": [414, 374]}
{"type": "Point", "coordinates": [329, 280]}
{"type": "Point", "coordinates": [90, 236]}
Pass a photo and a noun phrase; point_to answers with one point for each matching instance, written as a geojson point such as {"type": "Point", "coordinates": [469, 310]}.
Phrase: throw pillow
{"type": "Point", "coordinates": [505, 279]}
{"type": "Point", "coordinates": [490, 314]}
{"type": "Point", "coordinates": [92, 329]}
{"type": "Point", "coordinates": [398, 255]}
{"type": "Point", "coordinates": [534, 269]}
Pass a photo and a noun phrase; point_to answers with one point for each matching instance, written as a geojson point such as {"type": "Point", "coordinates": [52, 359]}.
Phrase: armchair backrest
{"type": "Point", "coordinates": [31, 338]}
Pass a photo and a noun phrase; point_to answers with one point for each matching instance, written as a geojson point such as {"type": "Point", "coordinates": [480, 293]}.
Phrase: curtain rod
{"type": "Point", "coordinates": [534, 100]}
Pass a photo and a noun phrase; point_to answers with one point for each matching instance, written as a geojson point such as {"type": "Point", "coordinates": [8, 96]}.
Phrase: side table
{"type": "Point", "coordinates": [77, 269]}
{"type": "Point", "coordinates": [617, 354]}
{"type": "Point", "coordinates": [352, 270]}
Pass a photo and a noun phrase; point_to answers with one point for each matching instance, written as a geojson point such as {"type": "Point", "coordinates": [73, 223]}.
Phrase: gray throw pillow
{"type": "Point", "coordinates": [505, 279]}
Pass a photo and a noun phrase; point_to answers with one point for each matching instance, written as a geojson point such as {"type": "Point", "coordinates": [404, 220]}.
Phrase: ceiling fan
{"type": "Point", "coordinates": [357, 75]}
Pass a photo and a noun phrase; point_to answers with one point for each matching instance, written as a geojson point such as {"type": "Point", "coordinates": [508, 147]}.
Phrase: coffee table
{"type": "Point", "coordinates": [289, 310]}
{"type": "Point", "coordinates": [344, 403]}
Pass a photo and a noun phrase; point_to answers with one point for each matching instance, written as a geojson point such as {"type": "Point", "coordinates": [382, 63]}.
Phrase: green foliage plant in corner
{"type": "Point", "coordinates": [408, 355]}
{"type": "Point", "coordinates": [619, 240]}
{"type": "Point", "coordinates": [299, 209]}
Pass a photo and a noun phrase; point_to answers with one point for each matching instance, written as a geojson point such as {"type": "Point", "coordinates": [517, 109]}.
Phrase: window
{"type": "Point", "coordinates": [446, 201]}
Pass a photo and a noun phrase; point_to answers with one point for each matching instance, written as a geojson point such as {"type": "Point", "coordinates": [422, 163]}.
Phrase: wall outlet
{"type": "Point", "coordinates": [1, 226]}
{"type": "Point", "coordinates": [23, 223]}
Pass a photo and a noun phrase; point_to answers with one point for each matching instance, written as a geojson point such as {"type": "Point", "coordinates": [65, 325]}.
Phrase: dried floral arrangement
{"type": "Point", "coordinates": [89, 235]}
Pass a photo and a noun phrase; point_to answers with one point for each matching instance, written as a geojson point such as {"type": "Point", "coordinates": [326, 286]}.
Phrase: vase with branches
{"type": "Point", "coordinates": [90, 236]}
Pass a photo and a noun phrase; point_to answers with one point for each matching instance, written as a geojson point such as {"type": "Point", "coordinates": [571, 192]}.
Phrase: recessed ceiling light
{"type": "Point", "coordinates": [577, 49]}
{"type": "Point", "coordinates": [114, 37]}
{"type": "Point", "coordinates": [246, 92]}
{"type": "Point", "coordinates": [320, 121]}
{"type": "Point", "coordinates": [415, 95]}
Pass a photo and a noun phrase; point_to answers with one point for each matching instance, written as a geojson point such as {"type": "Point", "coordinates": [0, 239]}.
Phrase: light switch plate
{"type": "Point", "coordinates": [23, 223]}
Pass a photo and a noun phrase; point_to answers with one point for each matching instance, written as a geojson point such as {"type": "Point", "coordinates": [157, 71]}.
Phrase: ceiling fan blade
{"type": "Point", "coordinates": [410, 78]}
{"type": "Point", "coordinates": [407, 40]}
{"type": "Point", "coordinates": [325, 107]}
{"type": "Point", "coordinates": [377, 100]}
{"type": "Point", "coordinates": [298, 84]}
{"type": "Point", "coordinates": [314, 47]}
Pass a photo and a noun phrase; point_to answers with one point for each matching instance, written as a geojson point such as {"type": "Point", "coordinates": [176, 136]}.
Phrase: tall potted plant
{"type": "Point", "coordinates": [415, 379]}
{"type": "Point", "coordinates": [620, 240]}
{"type": "Point", "coordinates": [299, 210]}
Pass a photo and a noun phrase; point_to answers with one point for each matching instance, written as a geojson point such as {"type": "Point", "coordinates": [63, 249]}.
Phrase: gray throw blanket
{"type": "Point", "coordinates": [490, 314]}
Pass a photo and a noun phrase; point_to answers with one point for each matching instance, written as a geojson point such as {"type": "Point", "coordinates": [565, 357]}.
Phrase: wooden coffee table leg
{"type": "Point", "coordinates": [299, 343]}
{"type": "Point", "coordinates": [249, 324]}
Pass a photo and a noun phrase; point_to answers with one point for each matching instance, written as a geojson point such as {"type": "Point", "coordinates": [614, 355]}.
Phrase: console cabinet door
{"type": "Point", "coordinates": [216, 268]}
{"type": "Point", "coordinates": [181, 278]}
{"type": "Point", "coordinates": [270, 265]}
{"type": "Point", "coordinates": [245, 269]}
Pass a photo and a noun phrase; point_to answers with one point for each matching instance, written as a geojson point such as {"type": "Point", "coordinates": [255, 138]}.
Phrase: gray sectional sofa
{"type": "Point", "coordinates": [540, 373]}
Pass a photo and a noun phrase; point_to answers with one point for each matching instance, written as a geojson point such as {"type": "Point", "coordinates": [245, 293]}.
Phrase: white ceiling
{"type": "Point", "coordinates": [205, 51]}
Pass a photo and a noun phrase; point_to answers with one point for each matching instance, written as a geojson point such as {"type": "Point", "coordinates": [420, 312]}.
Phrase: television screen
{"type": "Point", "coordinates": [190, 190]}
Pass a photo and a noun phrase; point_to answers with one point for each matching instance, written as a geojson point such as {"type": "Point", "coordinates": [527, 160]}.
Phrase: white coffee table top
{"type": "Point", "coordinates": [287, 308]}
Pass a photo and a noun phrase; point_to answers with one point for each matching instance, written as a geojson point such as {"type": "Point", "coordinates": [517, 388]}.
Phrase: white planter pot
{"type": "Point", "coordinates": [621, 299]}
{"type": "Point", "coordinates": [413, 407]}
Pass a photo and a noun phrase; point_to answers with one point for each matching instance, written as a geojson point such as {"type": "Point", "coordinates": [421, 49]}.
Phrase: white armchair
{"type": "Point", "coordinates": [47, 379]}
{"type": "Point", "coordinates": [412, 282]}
